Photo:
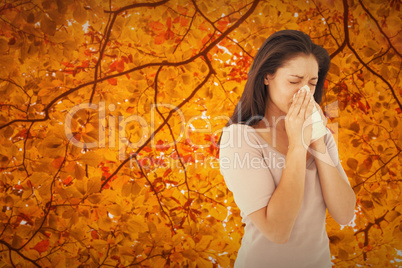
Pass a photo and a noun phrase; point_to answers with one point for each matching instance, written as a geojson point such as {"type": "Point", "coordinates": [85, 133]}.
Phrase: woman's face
{"type": "Point", "coordinates": [294, 74]}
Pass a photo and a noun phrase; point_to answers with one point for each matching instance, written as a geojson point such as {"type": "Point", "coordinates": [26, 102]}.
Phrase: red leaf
{"type": "Point", "coordinates": [113, 66]}
{"type": "Point", "coordinates": [147, 149]}
{"type": "Point", "coordinates": [368, 162]}
{"type": "Point", "coordinates": [188, 158]}
{"type": "Point", "coordinates": [94, 234]}
{"type": "Point", "coordinates": [169, 170]}
{"type": "Point", "coordinates": [176, 20]}
{"type": "Point", "coordinates": [85, 63]}
{"type": "Point", "coordinates": [193, 217]}
{"type": "Point", "coordinates": [112, 81]}
{"type": "Point", "coordinates": [222, 25]}
{"type": "Point", "coordinates": [67, 181]}
{"type": "Point", "coordinates": [183, 22]}
{"type": "Point", "coordinates": [203, 27]}
{"type": "Point", "coordinates": [169, 34]}
{"type": "Point", "coordinates": [22, 135]}
{"type": "Point", "coordinates": [157, 26]}
{"type": "Point", "coordinates": [120, 66]}
{"type": "Point", "coordinates": [171, 182]}
{"type": "Point", "coordinates": [161, 147]}
{"type": "Point", "coordinates": [398, 110]}
{"type": "Point", "coordinates": [42, 246]}
{"type": "Point", "coordinates": [67, 64]}
{"type": "Point", "coordinates": [326, 84]}
{"type": "Point", "coordinates": [143, 162]}
{"type": "Point", "coordinates": [87, 52]}
{"type": "Point", "coordinates": [160, 39]}
{"type": "Point", "coordinates": [57, 162]}
{"type": "Point", "coordinates": [169, 22]}
{"type": "Point", "coordinates": [125, 59]}
{"type": "Point", "coordinates": [188, 202]}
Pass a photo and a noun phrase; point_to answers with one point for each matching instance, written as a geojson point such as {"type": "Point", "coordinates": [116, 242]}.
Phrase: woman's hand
{"type": "Point", "coordinates": [297, 128]}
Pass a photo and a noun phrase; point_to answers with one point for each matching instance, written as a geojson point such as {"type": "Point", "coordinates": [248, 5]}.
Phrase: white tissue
{"type": "Point", "coordinates": [319, 129]}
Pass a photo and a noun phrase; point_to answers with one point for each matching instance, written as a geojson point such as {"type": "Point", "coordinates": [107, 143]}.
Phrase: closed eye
{"type": "Point", "coordinates": [299, 82]}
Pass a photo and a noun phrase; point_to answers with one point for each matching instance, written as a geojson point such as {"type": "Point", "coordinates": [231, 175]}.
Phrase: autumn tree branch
{"type": "Point", "coordinates": [19, 253]}
{"type": "Point", "coordinates": [345, 29]}
{"type": "Point", "coordinates": [211, 72]}
{"type": "Point", "coordinates": [380, 29]}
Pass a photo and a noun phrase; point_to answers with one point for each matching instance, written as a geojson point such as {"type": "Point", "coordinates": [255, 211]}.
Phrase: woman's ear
{"type": "Point", "coordinates": [266, 80]}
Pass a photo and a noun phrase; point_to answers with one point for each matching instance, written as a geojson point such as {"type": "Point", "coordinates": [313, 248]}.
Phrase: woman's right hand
{"type": "Point", "coordinates": [298, 127]}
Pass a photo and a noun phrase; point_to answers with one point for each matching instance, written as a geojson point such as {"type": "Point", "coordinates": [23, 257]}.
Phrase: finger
{"type": "Point", "coordinates": [299, 101]}
{"type": "Point", "coordinates": [304, 105]}
{"type": "Point", "coordinates": [294, 107]}
{"type": "Point", "coordinates": [309, 109]}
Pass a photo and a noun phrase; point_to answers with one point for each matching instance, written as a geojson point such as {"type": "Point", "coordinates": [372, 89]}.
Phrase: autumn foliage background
{"type": "Point", "coordinates": [166, 203]}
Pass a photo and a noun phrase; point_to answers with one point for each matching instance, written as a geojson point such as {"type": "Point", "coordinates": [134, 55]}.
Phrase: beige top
{"type": "Point", "coordinates": [252, 169]}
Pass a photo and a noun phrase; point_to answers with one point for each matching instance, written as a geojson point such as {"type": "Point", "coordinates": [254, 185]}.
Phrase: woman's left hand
{"type": "Point", "coordinates": [320, 142]}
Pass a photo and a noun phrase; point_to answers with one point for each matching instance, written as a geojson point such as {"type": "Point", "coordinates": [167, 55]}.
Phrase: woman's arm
{"type": "Point", "coordinates": [277, 219]}
{"type": "Point", "coordinates": [338, 195]}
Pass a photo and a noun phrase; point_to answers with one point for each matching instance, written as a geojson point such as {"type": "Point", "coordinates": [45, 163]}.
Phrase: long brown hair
{"type": "Point", "coordinates": [273, 53]}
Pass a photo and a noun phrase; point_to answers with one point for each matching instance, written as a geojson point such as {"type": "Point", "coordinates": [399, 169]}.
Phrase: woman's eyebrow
{"type": "Point", "coordinates": [301, 77]}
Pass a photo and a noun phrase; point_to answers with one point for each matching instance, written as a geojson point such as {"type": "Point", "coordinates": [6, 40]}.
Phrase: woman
{"type": "Point", "coordinates": [281, 181]}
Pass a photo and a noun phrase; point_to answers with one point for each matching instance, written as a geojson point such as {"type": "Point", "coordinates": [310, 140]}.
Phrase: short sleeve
{"type": "Point", "coordinates": [244, 170]}
{"type": "Point", "coordinates": [333, 153]}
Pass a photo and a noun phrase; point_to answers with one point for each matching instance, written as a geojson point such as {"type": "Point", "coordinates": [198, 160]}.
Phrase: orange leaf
{"type": "Point", "coordinates": [222, 25]}
{"type": "Point", "coordinates": [42, 246]}
{"type": "Point", "coordinates": [160, 39]}
{"type": "Point", "coordinates": [169, 170]}
{"type": "Point", "coordinates": [120, 66]}
{"type": "Point", "coordinates": [57, 162]}
{"type": "Point", "coordinates": [169, 22]}
{"type": "Point", "coordinates": [157, 26]}
{"type": "Point", "coordinates": [182, 9]}
{"type": "Point", "coordinates": [94, 234]}
{"type": "Point", "coordinates": [183, 21]}
{"type": "Point", "coordinates": [113, 66]}
{"type": "Point", "coordinates": [68, 180]}
{"type": "Point", "coordinates": [176, 20]}
{"type": "Point", "coordinates": [112, 81]}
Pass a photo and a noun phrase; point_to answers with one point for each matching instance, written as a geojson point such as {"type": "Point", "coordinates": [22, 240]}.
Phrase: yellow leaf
{"type": "Point", "coordinates": [114, 209]}
{"type": "Point", "coordinates": [223, 260]}
{"type": "Point", "coordinates": [204, 242]}
{"type": "Point", "coordinates": [217, 245]}
{"type": "Point", "coordinates": [91, 158]}
{"type": "Point", "coordinates": [48, 26]}
{"type": "Point", "coordinates": [105, 223]}
{"type": "Point", "coordinates": [190, 254]}
{"type": "Point", "coordinates": [79, 13]}
{"type": "Point", "coordinates": [93, 185]}
{"type": "Point", "coordinates": [159, 262]}
{"type": "Point", "coordinates": [137, 224]}
{"type": "Point", "coordinates": [201, 262]}
{"type": "Point", "coordinates": [176, 257]}
{"type": "Point", "coordinates": [95, 198]}
{"type": "Point", "coordinates": [39, 178]}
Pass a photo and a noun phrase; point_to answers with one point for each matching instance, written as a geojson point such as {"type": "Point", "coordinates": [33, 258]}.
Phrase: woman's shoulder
{"type": "Point", "coordinates": [239, 135]}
